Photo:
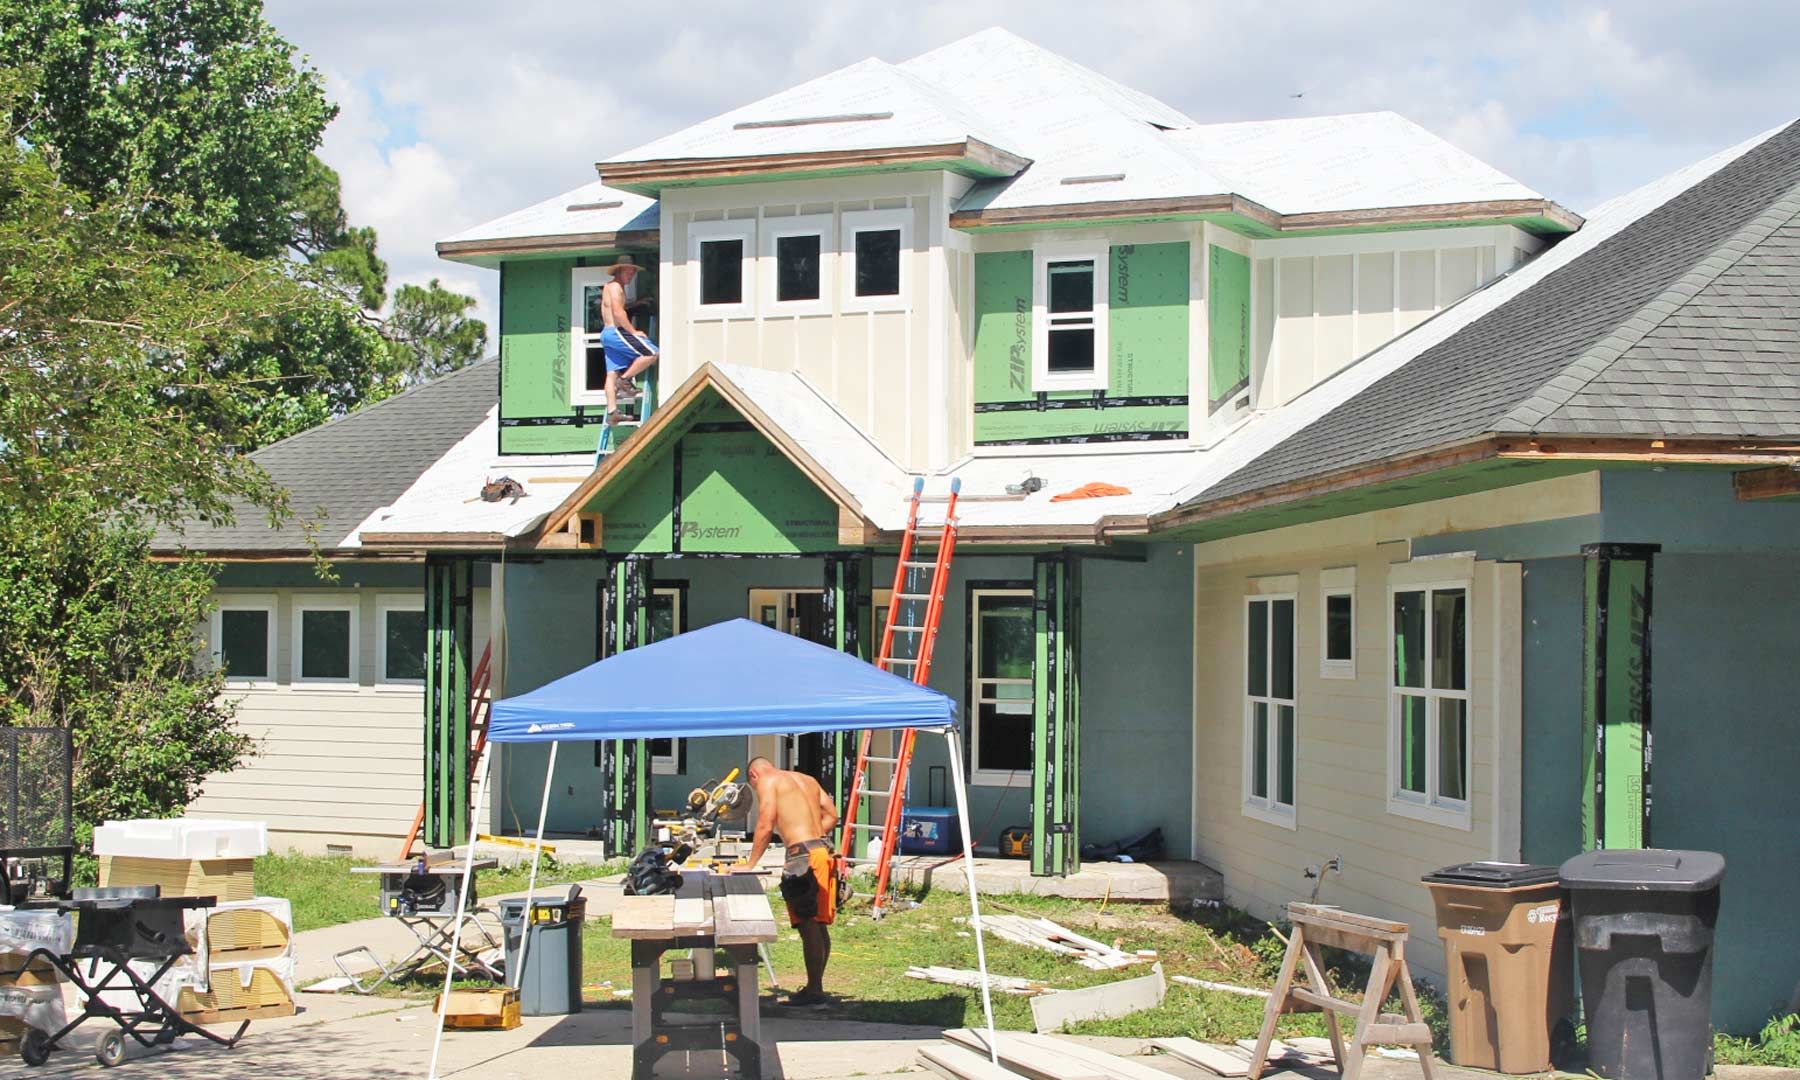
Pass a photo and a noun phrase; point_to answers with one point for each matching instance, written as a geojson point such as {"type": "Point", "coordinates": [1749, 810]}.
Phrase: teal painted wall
{"type": "Point", "coordinates": [1552, 743]}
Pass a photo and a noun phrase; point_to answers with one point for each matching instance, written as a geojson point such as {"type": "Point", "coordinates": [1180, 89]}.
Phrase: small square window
{"type": "Point", "coordinates": [797, 267]}
{"type": "Point", "coordinates": [878, 262]}
{"type": "Point", "coordinates": [403, 645]}
{"type": "Point", "coordinates": [1337, 626]}
{"type": "Point", "coordinates": [244, 643]}
{"type": "Point", "coordinates": [325, 643]}
{"type": "Point", "coordinates": [1337, 623]}
{"type": "Point", "coordinates": [722, 271]}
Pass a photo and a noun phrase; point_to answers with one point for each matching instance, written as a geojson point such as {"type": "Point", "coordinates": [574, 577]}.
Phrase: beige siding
{"type": "Point", "coordinates": [333, 765]}
{"type": "Point", "coordinates": [1342, 776]}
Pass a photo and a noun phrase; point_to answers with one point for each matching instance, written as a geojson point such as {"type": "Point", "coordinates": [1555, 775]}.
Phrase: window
{"type": "Point", "coordinates": [587, 367]}
{"type": "Point", "coordinates": [400, 644]}
{"type": "Point", "coordinates": [1337, 623]}
{"type": "Point", "coordinates": [243, 639]}
{"type": "Point", "coordinates": [1428, 668]}
{"type": "Point", "coordinates": [1269, 711]}
{"type": "Point", "coordinates": [668, 617]}
{"type": "Point", "coordinates": [875, 245]}
{"type": "Point", "coordinates": [797, 249]}
{"type": "Point", "coordinates": [1002, 642]}
{"type": "Point", "coordinates": [1069, 321]}
{"type": "Point", "coordinates": [723, 264]}
{"type": "Point", "coordinates": [325, 641]}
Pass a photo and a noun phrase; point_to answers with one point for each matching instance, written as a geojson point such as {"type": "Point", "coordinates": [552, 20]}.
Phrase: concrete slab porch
{"type": "Point", "coordinates": [1172, 882]}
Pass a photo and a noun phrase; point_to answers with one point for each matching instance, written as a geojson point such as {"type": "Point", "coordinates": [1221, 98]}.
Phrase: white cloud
{"type": "Point", "coordinates": [458, 111]}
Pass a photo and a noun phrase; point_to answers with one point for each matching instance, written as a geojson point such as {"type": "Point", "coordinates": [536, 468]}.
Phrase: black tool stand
{"type": "Point", "coordinates": [652, 997]}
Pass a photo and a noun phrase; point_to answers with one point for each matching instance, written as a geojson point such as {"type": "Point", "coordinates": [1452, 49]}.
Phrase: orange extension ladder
{"type": "Point", "coordinates": [480, 703]}
{"type": "Point", "coordinates": [913, 617]}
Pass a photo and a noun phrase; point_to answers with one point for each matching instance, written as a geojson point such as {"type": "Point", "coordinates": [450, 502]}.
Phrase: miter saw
{"type": "Point", "coordinates": [657, 868]}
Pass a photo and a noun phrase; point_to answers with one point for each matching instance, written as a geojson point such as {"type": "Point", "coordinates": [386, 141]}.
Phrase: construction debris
{"type": "Point", "coordinates": [1099, 1002]}
{"type": "Point", "coordinates": [1219, 988]}
{"type": "Point", "coordinates": [1227, 1061]}
{"type": "Point", "coordinates": [1006, 984]}
{"type": "Point", "coordinates": [1039, 1057]}
{"type": "Point", "coordinates": [1046, 935]}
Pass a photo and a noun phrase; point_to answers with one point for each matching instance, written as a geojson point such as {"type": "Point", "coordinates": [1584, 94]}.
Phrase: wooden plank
{"type": "Point", "coordinates": [1323, 915]}
{"type": "Point", "coordinates": [957, 1063]}
{"type": "Point", "coordinates": [691, 915]}
{"type": "Point", "coordinates": [1282, 1052]}
{"type": "Point", "coordinates": [1119, 1068]}
{"type": "Point", "coordinates": [644, 917]}
{"type": "Point", "coordinates": [1052, 1011]}
{"type": "Point", "coordinates": [1226, 1061]}
{"type": "Point", "coordinates": [1348, 1008]}
{"type": "Point", "coordinates": [1395, 1035]}
{"type": "Point", "coordinates": [1025, 1059]}
{"type": "Point", "coordinates": [741, 919]}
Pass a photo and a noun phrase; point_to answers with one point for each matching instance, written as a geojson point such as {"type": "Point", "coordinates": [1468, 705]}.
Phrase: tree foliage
{"type": "Point", "coordinates": [432, 331]}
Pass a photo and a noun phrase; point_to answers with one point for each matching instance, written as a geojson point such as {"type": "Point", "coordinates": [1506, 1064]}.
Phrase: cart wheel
{"type": "Point", "coordinates": [34, 1047]}
{"type": "Point", "coordinates": [109, 1049]}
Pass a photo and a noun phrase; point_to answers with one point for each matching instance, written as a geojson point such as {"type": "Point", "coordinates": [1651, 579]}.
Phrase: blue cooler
{"type": "Point", "coordinates": [929, 830]}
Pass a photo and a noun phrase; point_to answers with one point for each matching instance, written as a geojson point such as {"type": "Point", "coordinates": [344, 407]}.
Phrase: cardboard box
{"type": "Point", "coordinates": [227, 879]}
{"type": "Point", "coordinates": [248, 986]}
{"type": "Point", "coordinates": [243, 931]}
{"type": "Point", "coordinates": [496, 1008]}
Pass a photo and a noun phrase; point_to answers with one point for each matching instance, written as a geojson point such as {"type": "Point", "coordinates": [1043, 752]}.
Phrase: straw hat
{"type": "Point", "coordinates": [625, 262]}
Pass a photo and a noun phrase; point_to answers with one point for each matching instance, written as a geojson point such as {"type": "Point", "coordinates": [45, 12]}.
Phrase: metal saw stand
{"type": "Point", "coordinates": [652, 1036]}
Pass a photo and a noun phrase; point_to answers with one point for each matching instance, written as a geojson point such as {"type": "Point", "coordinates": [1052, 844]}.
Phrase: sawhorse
{"type": "Point", "coordinates": [1315, 926]}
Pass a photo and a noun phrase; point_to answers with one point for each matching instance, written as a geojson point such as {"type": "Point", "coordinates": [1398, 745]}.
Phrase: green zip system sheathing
{"type": "Point", "coordinates": [1615, 695]}
{"type": "Point", "coordinates": [849, 611]}
{"type": "Point", "coordinates": [1146, 396]}
{"type": "Point", "coordinates": [715, 487]}
{"type": "Point", "coordinates": [1056, 716]}
{"type": "Point", "coordinates": [625, 763]}
{"type": "Point", "coordinates": [1227, 326]}
{"type": "Point", "coordinates": [535, 354]}
{"type": "Point", "coordinates": [449, 636]}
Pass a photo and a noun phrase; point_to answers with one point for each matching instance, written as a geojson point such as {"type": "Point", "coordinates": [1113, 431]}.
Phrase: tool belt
{"type": "Point", "coordinates": [805, 846]}
{"type": "Point", "coordinates": [799, 885]}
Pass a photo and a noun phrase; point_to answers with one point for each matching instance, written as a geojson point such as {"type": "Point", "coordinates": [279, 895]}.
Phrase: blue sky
{"type": "Point", "coordinates": [457, 111]}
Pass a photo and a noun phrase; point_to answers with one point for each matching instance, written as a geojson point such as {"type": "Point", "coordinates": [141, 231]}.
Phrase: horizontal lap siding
{"type": "Point", "coordinates": [1341, 753]}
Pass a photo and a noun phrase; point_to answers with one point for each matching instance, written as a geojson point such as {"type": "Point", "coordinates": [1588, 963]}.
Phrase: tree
{"type": "Point", "coordinates": [433, 332]}
{"type": "Point", "coordinates": [195, 108]}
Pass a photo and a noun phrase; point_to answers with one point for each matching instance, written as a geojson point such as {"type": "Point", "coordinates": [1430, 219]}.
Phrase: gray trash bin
{"type": "Point", "coordinates": [550, 982]}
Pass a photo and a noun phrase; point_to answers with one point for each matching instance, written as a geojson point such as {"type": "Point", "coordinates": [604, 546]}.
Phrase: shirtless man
{"type": "Point", "coordinates": [793, 804]}
{"type": "Point", "coordinates": [628, 352]}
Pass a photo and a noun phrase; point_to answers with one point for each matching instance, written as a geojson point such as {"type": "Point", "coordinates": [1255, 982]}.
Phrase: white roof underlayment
{"type": "Point", "coordinates": [591, 208]}
{"type": "Point", "coordinates": [1071, 123]}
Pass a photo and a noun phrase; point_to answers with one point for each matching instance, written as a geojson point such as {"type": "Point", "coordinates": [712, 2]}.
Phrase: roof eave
{"type": "Point", "coordinates": [970, 157]}
{"type": "Point", "coordinates": [485, 252]}
{"type": "Point", "coordinates": [1252, 219]}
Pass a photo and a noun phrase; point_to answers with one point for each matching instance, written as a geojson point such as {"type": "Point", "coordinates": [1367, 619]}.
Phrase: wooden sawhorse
{"type": "Point", "coordinates": [1316, 926]}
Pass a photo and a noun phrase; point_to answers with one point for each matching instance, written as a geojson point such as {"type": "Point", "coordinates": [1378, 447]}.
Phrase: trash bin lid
{"type": "Point", "coordinates": [1492, 875]}
{"type": "Point", "coordinates": [1646, 869]}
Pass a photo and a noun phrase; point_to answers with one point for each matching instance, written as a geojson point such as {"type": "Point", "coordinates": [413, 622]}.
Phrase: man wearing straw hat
{"type": "Point", "coordinates": [628, 352]}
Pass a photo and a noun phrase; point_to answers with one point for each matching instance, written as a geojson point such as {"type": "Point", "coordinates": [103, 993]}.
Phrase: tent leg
{"type": "Point", "coordinates": [962, 817]}
{"type": "Point", "coordinates": [462, 902]}
{"type": "Point", "coordinates": [537, 849]}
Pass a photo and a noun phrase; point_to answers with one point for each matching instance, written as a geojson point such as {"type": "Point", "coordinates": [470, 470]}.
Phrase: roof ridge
{"type": "Point", "coordinates": [1598, 358]}
{"type": "Point", "coordinates": [367, 410]}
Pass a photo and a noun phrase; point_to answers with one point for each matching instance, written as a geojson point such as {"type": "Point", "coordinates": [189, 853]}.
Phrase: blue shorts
{"type": "Point", "coordinates": [624, 347]}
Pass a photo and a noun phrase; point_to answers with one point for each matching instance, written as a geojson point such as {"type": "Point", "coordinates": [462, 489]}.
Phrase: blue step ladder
{"type": "Point", "coordinates": [613, 436]}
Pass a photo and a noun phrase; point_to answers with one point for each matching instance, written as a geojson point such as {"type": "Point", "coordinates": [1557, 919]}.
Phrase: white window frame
{"type": "Point", "coordinates": [861, 221]}
{"type": "Point", "coordinates": [668, 764]}
{"type": "Point", "coordinates": [700, 232]}
{"type": "Point", "coordinates": [1337, 581]}
{"type": "Point", "coordinates": [1431, 807]}
{"type": "Point", "coordinates": [579, 279]}
{"type": "Point", "coordinates": [1042, 378]}
{"type": "Point", "coordinates": [977, 774]}
{"type": "Point", "coordinates": [1270, 809]}
{"type": "Point", "coordinates": [304, 604]}
{"type": "Point", "coordinates": [263, 602]}
{"type": "Point", "coordinates": [385, 603]}
{"type": "Point", "coordinates": [773, 231]}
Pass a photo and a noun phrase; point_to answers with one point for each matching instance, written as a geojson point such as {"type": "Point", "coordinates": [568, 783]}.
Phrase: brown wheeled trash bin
{"type": "Point", "coordinates": [1507, 948]}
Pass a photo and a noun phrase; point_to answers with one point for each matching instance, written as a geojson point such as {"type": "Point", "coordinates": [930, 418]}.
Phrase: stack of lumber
{"type": "Point", "coordinates": [1233, 1059]}
{"type": "Point", "coordinates": [1005, 984]}
{"type": "Point", "coordinates": [1046, 935]}
{"type": "Point", "coordinates": [964, 1056]}
{"type": "Point", "coordinates": [30, 992]}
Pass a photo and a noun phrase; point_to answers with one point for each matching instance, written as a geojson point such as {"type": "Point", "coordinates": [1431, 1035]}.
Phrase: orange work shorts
{"type": "Point", "coordinates": [809, 884]}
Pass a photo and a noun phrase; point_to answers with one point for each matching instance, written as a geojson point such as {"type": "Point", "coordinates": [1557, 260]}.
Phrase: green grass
{"type": "Point", "coordinates": [324, 892]}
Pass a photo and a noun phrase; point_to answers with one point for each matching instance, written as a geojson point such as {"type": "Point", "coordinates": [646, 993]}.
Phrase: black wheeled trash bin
{"type": "Point", "coordinates": [1644, 922]}
{"type": "Point", "coordinates": [550, 981]}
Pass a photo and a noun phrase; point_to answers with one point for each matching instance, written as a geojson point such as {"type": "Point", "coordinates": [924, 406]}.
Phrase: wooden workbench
{"type": "Point", "coordinates": [710, 912]}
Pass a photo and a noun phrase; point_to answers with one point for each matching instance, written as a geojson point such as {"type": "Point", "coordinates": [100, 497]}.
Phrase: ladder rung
{"type": "Point", "coordinates": [908, 629]}
{"type": "Point", "coordinates": [883, 760]}
{"type": "Point", "coordinates": [912, 596]}
{"type": "Point", "coordinates": [866, 825]}
{"type": "Point", "coordinates": [920, 565]}
{"type": "Point", "coordinates": [898, 660]}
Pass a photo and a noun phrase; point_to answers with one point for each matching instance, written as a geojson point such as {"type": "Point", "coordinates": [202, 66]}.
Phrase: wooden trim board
{"type": "Point", "coordinates": [1050, 1012]}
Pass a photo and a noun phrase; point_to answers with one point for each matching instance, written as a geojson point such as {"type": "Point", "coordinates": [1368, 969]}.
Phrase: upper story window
{"type": "Point", "coordinates": [1069, 315]}
{"type": "Point", "coordinates": [722, 263]}
{"type": "Point", "coordinates": [325, 640]}
{"type": "Point", "coordinates": [1428, 734]}
{"type": "Point", "coordinates": [243, 639]}
{"type": "Point", "coordinates": [587, 369]}
{"type": "Point", "coordinates": [875, 246]}
{"type": "Point", "coordinates": [797, 248]}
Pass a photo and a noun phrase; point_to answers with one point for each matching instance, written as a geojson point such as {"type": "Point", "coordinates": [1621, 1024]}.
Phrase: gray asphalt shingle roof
{"type": "Point", "coordinates": [1684, 324]}
{"type": "Point", "coordinates": [340, 472]}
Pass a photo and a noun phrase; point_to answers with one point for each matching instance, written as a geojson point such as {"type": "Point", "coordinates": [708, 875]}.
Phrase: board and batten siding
{"type": "Point", "coordinates": [1342, 774]}
{"type": "Point", "coordinates": [885, 366]}
{"type": "Point", "coordinates": [334, 766]}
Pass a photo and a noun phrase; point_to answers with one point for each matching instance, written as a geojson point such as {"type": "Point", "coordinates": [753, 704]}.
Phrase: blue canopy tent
{"type": "Point", "coordinates": [732, 678]}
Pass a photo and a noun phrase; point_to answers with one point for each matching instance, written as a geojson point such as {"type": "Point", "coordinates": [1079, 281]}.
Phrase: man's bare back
{"type": "Point", "coordinates": [791, 805]}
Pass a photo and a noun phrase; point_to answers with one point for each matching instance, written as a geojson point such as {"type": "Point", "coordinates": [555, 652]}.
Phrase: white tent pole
{"type": "Point", "coordinates": [462, 902]}
{"type": "Point", "coordinates": [537, 847]}
{"type": "Point", "coordinates": [962, 819]}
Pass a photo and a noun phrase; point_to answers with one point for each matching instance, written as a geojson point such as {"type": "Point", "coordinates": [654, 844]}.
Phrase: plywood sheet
{"type": "Point", "coordinates": [644, 917]}
{"type": "Point", "coordinates": [1050, 1012]}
